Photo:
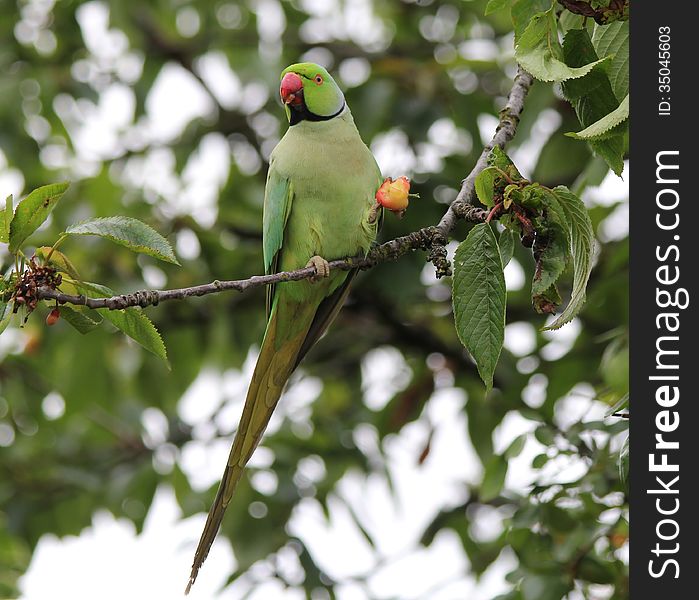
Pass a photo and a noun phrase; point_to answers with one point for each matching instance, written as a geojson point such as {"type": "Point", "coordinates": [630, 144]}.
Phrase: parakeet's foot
{"type": "Point", "coordinates": [321, 266]}
{"type": "Point", "coordinates": [373, 213]}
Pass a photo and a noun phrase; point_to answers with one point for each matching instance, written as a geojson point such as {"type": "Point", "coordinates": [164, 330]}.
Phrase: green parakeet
{"type": "Point", "coordinates": [319, 196]}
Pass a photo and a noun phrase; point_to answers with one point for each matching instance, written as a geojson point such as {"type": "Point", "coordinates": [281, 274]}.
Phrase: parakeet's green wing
{"type": "Point", "coordinates": [277, 206]}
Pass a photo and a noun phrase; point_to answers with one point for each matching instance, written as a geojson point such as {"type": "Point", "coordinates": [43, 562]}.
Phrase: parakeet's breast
{"type": "Point", "coordinates": [334, 178]}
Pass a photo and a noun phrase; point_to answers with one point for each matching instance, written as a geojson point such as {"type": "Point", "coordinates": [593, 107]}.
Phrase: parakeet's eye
{"type": "Point", "coordinates": [318, 79]}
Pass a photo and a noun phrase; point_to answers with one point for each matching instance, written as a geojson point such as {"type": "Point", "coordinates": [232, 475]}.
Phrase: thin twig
{"type": "Point", "coordinates": [433, 238]}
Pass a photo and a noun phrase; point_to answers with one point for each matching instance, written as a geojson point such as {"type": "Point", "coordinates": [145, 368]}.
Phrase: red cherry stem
{"type": "Point", "coordinates": [494, 212]}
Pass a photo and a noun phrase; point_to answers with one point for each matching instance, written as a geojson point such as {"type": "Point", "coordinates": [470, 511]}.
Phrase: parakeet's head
{"type": "Point", "coordinates": [309, 93]}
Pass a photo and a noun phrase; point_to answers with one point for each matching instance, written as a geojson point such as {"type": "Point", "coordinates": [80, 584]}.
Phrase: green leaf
{"type": "Point", "coordinates": [605, 124]}
{"type": "Point", "coordinates": [498, 158]}
{"type": "Point", "coordinates": [496, 5]}
{"type": "Point", "coordinates": [516, 447]}
{"type": "Point", "coordinates": [570, 211]}
{"type": "Point", "coordinates": [79, 319]}
{"type": "Point", "coordinates": [539, 461]}
{"type": "Point", "coordinates": [493, 478]}
{"type": "Point", "coordinates": [619, 406]}
{"type": "Point", "coordinates": [595, 571]}
{"type": "Point", "coordinates": [624, 462]}
{"type": "Point", "coordinates": [593, 98]}
{"type": "Point", "coordinates": [613, 39]}
{"type": "Point", "coordinates": [551, 255]}
{"type": "Point", "coordinates": [132, 321]}
{"type": "Point", "coordinates": [479, 297]}
{"type": "Point", "coordinates": [539, 52]}
{"type": "Point", "coordinates": [5, 315]}
{"type": "Point", "coordinates": [592, 176]}
{"type": "Point", "coordinates": [546, 302]}
{"type": "Point", "coordinates": [484, 184]}
{"type": "Point", "coordinates": [545, 435]}
{"type": "Point", "coordinates": [128, 232]}
{"type": "Point", "coordinates": [5, 220]}
{"type": "Point", "coordinates": [58, 261]}
{"type": "Point", "coordinates": [569, 20]}
{"type": "Point", "coordinates": [524, 10]}
{"type": "Point", "coordinates": [544, 587]}
{"type": "Point", "coordinates": [33, 211]}
{"type": "Point", "coordinates": [507, 246]}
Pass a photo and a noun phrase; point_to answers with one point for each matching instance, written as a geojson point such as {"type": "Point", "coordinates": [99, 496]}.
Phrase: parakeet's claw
{"type": "Point", "coordinates": [321, 266]}
{"type": "Point", "coordinates": [373, 213]}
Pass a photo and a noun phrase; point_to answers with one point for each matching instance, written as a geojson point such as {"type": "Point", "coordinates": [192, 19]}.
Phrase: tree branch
{"type": "Point", "coordinates": [463, 206]}
{"type": "Point", "coordinates": [433, 238]}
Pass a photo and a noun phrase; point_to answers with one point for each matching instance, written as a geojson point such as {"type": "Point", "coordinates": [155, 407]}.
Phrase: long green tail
{"type": "Point", "coordinates": [277, 360]}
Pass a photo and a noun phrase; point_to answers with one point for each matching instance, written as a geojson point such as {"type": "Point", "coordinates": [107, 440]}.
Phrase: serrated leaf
{"type": "Point", "coordinates": [58, 261]}
{"type": "Point", "coordinates": [32, 211]}
{"type": "Point", "coordinates": [493, 479]}
{"type": "Point", "coordinates": [5, 219]}
{"type": "Point", "coordinates": [561, 202]}
{"type": "Point", "coordinates": [524, 10]}
{"type": "Point", "coordinates": [546, 302]}
{"type": "Point", "coordinates": [507, 246]}
{"type": "Point", "coordinates": [507, 196]}
{"type": "Point", "coordinates": [613, 39]}
{"type": "Point", "coordinates": [568, 20]}
{"type": "Point", "coordinates": [539, 52]}
{"type": "Point", "coordinates": [479, 297]}
{"type": "Point", "coordinates": [79, 319]}
{"type": "Point", "coordinates": [484, 184]}
{"type": "Point", "coordinates": [592, 97]}
{"type": "Point", "coordinates": [605, 124]}
{"type": "Point", "coordinates": [132, 321]}
{"type": "Point", "coordinates": [498, 158]}
{"type": "Point", "coordinates": [131, 233]}
{"type": "Point", "coordinates": [551, 255]}
{"type": "Point", "coordinates": [496, 5]}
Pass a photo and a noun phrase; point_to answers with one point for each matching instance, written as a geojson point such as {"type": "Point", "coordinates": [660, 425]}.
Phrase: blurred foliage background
{"type": "Point", "coordinates": [167, 111]}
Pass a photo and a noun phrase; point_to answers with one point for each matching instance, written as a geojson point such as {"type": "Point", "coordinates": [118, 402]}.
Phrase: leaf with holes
{"type": "Point", "coordinates": [551, 255]}
{"type": "Point", "coordinates": [498, 158]}
{"type": "Point", "coordinates": [32, 211]}
{"type": "Point", "coordinates": [131, 233]}
{"type": "Point", "coordinates": [570, 212]}
{"type": "Point", "coordinates": [479, 297]}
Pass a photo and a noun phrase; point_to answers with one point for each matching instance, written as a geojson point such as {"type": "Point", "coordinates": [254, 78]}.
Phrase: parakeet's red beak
{"type": "Point", "coordinates": [291, 89]}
